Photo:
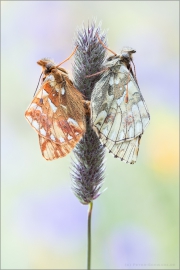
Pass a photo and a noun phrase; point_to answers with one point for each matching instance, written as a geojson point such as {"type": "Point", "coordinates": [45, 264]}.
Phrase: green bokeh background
{"type": "Point", "coordinates": [135, 221]}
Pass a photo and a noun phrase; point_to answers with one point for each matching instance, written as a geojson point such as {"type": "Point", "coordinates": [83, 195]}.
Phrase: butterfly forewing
{"type": "Point", "coordinates": [119, 113]}
{"type": "Point", "coordinates": [57, 114]}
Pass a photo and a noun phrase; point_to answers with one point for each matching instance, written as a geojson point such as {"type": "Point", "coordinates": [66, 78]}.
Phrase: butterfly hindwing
{"type": "Point", "coordinates": [51, 150]}
{"type": "Point", "coordinates": [127, 151]}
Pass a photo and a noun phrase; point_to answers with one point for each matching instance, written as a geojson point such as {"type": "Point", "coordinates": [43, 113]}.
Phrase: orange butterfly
{"type": "Point", "coordinates": [57, 111]}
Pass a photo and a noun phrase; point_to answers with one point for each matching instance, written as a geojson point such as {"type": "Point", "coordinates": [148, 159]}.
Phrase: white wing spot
{"type": "Point", "coordinates": [44, 93]}
{"type": "Point", "coordinates": [100, 118]}
{"type": "Point", "coordinates": [123, 69]}
{"type": "Point", "coordinates": [49, 78]}
{"type": "Point", "coordinates": [111, 81]}
{"type": "Point", "coordinates": [131, 132]}
{"type": "Point", "coordinates": [33, 105]}
{"type": "Point", "coordinates": [35, 124]}
{"type": "Point", "coordinates": [69, 137]}
{"type": "Point", "coordinates": [117, 80]}
{"type": "Point", "coordinates": [52, 83]}
{"type": "Point", "coordinates": [105, 131]}
{"type": "Point", "coordinates": [29, 118]}
{"type": "Point", "coordinates": [39, 108]}
{"type": "Point", "coordinates": [119, 101]}
{"type": "Point", "coordinates": [122, 135]}
{"type": "Point", "coordinates": [53, 107]}
{"type": "Point", "coordinates": [42, 131]}
{"type": "Point", "coordinates": [63, 91]}
{"type": "Point", "coordinates": [138, 127]}
{"type": "Point", "coordinates": [52, 137]}
{"type": "Point", "coordinates": [72, 121]}
{"type": "Point", "coordinates": [61, 139]}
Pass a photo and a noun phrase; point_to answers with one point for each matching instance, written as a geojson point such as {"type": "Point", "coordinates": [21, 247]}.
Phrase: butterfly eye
{"type": "Point", "coordinates": [48, 69]}
{"type": "Point", "coordinates": [125, 55]}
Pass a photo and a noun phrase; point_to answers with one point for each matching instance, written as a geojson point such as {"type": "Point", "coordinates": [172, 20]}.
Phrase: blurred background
{"type": "Point", "coordinates": [135, 221]}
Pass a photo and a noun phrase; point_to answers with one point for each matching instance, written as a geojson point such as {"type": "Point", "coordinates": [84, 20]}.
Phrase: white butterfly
{"type": "Point", "coordinates": [119, 114]}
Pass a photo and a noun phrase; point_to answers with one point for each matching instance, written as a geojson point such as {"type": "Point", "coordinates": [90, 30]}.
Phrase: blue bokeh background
{"type": "Point", "coordinates": [135, 221]}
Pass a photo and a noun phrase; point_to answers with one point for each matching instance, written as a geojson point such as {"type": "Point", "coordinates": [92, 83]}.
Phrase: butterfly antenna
{"type": "Point", "coordinates": [68, 57]}
{"type": "Point", "coordinates": [37, 84]}
{"type": "Point", "coordinates": [100, 41]}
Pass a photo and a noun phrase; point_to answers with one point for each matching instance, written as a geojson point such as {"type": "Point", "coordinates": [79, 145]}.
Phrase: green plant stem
{"type": "Point", "coordinates": [89, 236]}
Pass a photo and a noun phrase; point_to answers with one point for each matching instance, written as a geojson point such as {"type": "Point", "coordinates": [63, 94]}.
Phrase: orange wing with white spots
{"type": "Point", "coordinates": [56, 112]}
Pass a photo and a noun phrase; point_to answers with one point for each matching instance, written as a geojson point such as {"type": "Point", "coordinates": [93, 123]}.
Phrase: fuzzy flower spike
{"type": "Point", "coordinates": [88, 165]}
